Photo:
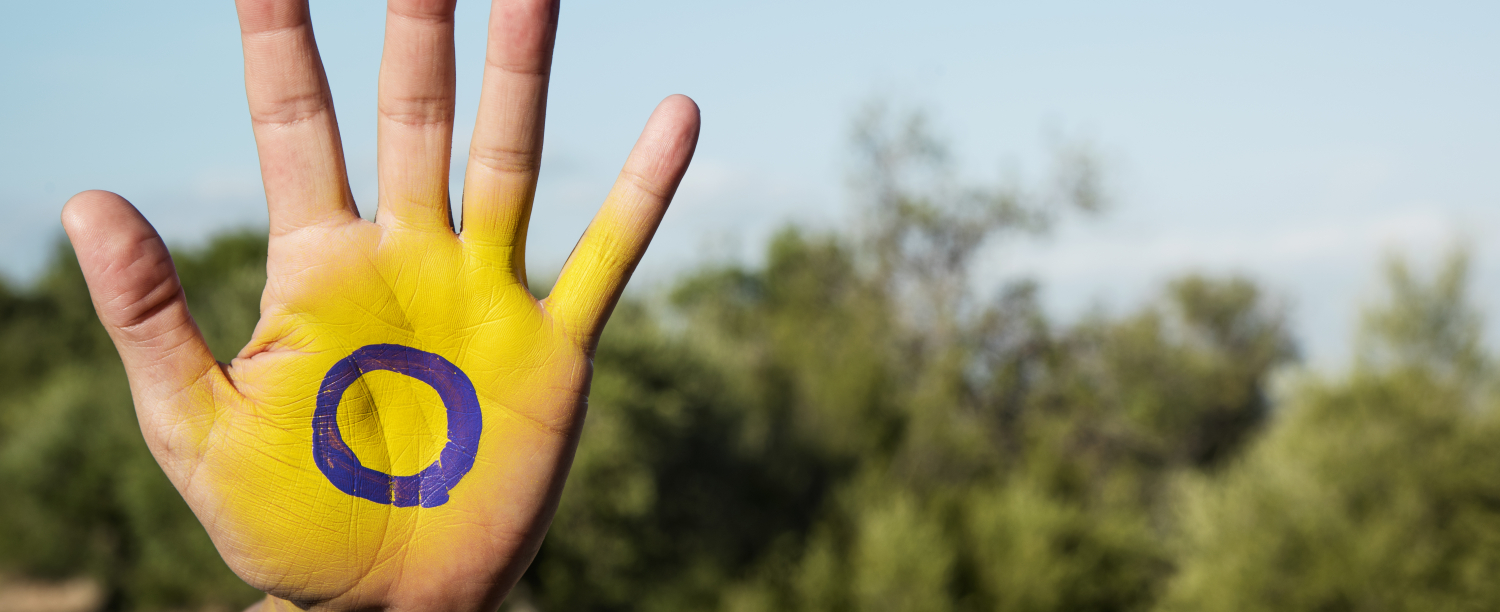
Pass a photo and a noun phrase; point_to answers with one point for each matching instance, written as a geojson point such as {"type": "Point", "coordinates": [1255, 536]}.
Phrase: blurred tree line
{"type": "Point", "coordinates": [852, 425]}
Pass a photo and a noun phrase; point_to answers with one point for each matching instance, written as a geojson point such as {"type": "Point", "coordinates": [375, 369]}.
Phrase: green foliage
{"type": "Point", "coordinates": [854, 425]}
{"type": "Point", "coordinates": [1377, 491]}
{"type": "Point", "coordinates": [84, 494]}
{"type": "Point", "coordinates": [851, 426]}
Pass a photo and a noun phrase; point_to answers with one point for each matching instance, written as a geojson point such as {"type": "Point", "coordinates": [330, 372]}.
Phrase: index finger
{"type": "Point", "coordinates": [595, 274]}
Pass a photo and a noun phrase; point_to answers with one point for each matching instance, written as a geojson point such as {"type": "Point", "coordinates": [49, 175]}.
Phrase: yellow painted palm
{"type": "Point", "coordinates": [398, 431]}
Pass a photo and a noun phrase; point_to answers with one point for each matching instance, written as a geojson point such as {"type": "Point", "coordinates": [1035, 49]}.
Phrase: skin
{"type": "Point", "coordinates": [236, 439]}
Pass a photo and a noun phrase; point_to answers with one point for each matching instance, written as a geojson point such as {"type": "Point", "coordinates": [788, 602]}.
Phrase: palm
{"type": "Point", "coordinates": [388, 288]}
{"type": "Point", "coordinates": [398, 430]}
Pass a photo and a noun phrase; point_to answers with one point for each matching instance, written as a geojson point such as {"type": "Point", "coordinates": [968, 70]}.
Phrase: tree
{"type": "Point", "coordinates": [855, 426]}
{"type": "Point", "coordinates": [1376, 490]}
{"type": "Point", "coordinates": [84, 495]}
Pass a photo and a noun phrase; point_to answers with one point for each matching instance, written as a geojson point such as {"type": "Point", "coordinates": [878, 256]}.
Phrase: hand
{"type": "Point", "coordinates": [398, 430]}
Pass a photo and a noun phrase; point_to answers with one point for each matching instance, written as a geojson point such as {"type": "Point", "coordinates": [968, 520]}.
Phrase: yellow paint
{"type": "Point", "coordinates": [394, 423]}
{"type": "Point", "coordinates": [332, 291]}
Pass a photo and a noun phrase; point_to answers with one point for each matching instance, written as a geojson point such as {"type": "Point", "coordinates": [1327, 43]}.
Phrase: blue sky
{"type": "Point", "coordinates": [1291, 142]}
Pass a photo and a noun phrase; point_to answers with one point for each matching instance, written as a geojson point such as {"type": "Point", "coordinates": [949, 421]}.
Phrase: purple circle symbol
{"type": "Point", "coordinates": [427, 488]}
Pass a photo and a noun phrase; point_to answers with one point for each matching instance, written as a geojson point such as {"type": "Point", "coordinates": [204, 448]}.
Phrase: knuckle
{"type": "Point", "coordinates": [432, 11]}
{"type": "Point", "coordinates": [641, 183]}
{"type": "Point", "coordinates": [291, 109]}
{"type": "Point", "coordinates": [267, 16]}
{"type": "Point", "coordinates": [417, 111]}
{"type": "Point", "coordinates": [142, 285]}
{"type": "Point", "coordinates": [505, 160]}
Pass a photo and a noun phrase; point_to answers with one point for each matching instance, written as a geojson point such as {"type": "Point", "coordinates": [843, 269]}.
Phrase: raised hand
{"type": "Point", "coordinates": [398, 431]}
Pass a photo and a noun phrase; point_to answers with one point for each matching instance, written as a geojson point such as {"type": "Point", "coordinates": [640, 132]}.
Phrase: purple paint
{"type": "Point", "coordinates": [427, 488]}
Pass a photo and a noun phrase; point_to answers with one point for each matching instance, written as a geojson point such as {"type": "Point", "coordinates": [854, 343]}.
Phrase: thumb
{"type": "Point", "coordinates": [139, 300]}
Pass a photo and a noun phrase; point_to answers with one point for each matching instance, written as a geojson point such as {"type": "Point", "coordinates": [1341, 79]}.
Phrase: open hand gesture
{"type": "Point", "coordinates": [398, 430]}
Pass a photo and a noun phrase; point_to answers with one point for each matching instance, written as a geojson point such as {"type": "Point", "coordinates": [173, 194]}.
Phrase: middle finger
{"type": "Point", "coordinates": [415, 125]}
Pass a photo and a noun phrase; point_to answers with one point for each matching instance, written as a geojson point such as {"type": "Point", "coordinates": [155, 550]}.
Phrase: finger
{"type": "Point", "coordinates": [301, 158]}
{"type": "Point", "coordinates": [173, 376]}
{"type": "Point", "coordinates": [601, 264]}
{"type": "Point", "coordinates": [415, 124]}
{"type": "Point", "coordinates": [506, 151]}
